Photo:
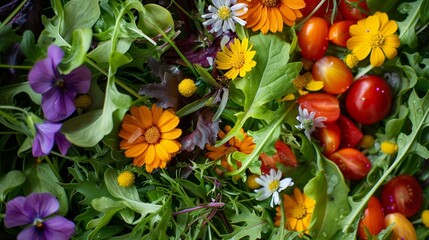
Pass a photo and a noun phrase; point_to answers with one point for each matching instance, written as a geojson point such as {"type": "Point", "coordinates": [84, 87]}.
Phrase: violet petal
{"type": "Point", "coordinates": [62, 143]}
{"type": "Point", "coordinates": [44, 139]}
{"type": "Point", "coordinates": [42, 76]}
{"type": "Point", "coordinates": [41, 205]}
{"type": "Point", "coordinates": [15, 214]}
{"type": "Point", "coordinates": [58, 228]}
{"type": "Point", "coordinates": [78, 80]}
{"type": "Point", "coordinates": [58, 105]}
{"type": "Point", "coordinates": [29, 233]}
{"type": "Point", "coordinates": [55, 54]}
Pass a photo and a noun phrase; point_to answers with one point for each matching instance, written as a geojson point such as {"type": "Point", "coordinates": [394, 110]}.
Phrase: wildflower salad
{"type": "Point", "coordinates": [214, 119]}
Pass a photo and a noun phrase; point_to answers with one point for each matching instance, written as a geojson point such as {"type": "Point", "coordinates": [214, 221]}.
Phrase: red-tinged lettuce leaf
{"type": "Point", "coordinates": [205, 132]}
{"type": "Point", "coordinates": [166, 92]}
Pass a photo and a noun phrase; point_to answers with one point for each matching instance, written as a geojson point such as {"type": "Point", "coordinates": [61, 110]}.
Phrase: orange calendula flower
{"type": "Point", "coordinates": [375, 36]}
{"type": "Point", "coordinates": [298, 210]}
{"type": "Point", "coordinates": [246, 146]}
{"type": "Point", "coordinates": [238, 58]}
{"type": "Point", "coordinates": [271, 15]}
{"type": "Point", "coordinates": [149, 136]}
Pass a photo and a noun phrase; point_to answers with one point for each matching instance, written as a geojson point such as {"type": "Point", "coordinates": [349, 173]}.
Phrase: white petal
{"type": "Point", "coordinates": [275, 199]}
{"type": "Point", "coordinates": [264, 194]}
{"type": "Point", "coordinates": [287, 182]}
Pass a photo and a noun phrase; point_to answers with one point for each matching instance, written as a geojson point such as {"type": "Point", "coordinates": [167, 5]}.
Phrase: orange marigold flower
{"type": "Point", "coordinates": [271, 15]}
{"type": "Point", "coordinates": [246, 146]}
{"type": "Point", "coordinates": [149, 136]}
{"type": "Point", "coordinates": [298, 210]}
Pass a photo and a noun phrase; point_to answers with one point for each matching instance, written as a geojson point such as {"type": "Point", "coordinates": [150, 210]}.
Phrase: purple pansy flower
{"type": "Point", "coordinates": [58, 91]}
{"type": "Point", "coordinates": [35, 210]}
{"type": "Point", "coordinates": [46, 135]}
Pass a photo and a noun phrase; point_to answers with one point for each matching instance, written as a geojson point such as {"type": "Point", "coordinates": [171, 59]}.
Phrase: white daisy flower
{"type": "Point", "coordinates": [308, 122]}
{"type": "Point", "coordinates": [271, 185]}
{"type": "Point", "coordinates": [222, 17]}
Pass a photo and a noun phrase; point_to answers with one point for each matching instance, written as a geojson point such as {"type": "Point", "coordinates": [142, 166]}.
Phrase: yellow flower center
{"type": "Point", "coordinates": [187, 87]}
{"type": "Point", "coordinates": [83, 101]}
{"type": "Point", "coordinates": [269, 3]}
{"type": "Point", "coordinates": [224, 13]}
{"type": "Point", "coordinates": [237, 61]}
{"type": "Point", "coordinates": [38, 223]}
{"type": "Point", "coordinates": [300, 82]}
{"type": "Point", "coordinates": [376, 40]}
{"type": "Point", "coordinates": [152, 135]}
{"type": "Point", "coordinates": [299, 211]}
{"type": "Point", "coordinates": [273, 186]}
{"type": "Point", "coordinates": [126, 179]}
{"type": "Point", "coordinates": [389, 147]}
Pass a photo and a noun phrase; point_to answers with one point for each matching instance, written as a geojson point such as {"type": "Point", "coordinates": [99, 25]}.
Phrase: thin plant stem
{"type": "Point", "coordinates": [181, 9]}
{"type": "Point", "coordinates": [13, 13]}
{"type": "Point", "coordinates": [15, 66]}
{"type": "Point", "coordinates": [128, 89]}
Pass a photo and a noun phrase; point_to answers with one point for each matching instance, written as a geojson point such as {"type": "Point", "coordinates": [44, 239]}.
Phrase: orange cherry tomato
{"type": "Point", "coordinates": [334, 73]}
{"type": "Point", "coordinates": [353, 164]}
{"type": "Point", "coordinates": [372, 220]}
{"type": "Point", "coordinates": [339, 32]}
{"type": "Point", "coordinates": [402, 228]}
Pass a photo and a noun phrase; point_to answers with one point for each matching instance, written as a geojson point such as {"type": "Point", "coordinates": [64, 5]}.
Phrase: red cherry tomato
{"type": "Point", "coordinates": [350, 134]}
{"type": "Point", "coordinates": [402, 194]}
{"type": "Point", "coordinates": [353, 164]}
{"type": "Point", "coordinates": [310, 5]}
{"type": "Point", "coordinates": [284, 155]}
{"type": "Point", "coordinates": [373, 219]}
{"type": "Point", "coordinates": [330, 138]}
{"type": "Point", "coordinates": [313, 38]}
{"type": "Point", "coordinates": [369, 99]}
{"type": "Point", "coordinates": [322, 104]}
{"type": "Point", "coordinates": [339, 32]}
{"type": "Point", "coordinates": [350, 12]}
{"type": "Point", "coordinates": [334, 73]}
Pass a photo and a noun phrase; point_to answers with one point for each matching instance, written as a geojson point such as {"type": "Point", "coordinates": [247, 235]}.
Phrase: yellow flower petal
{"type": "Point", "coordinates": [362, 51]}
{"type": "Point", "coordinates": [389, 51]}
{"type": "Point", "coordinates": [136, 150]}
{"type": "Point", "coordinates": [161, 153]}
{"type": "Point", "coordinates": [389, 29]}
{"type": "Point", "coordinates": [377, 57]}
{"type": "Point", "coordinates": [171, 146]}
{"type": "Point", "coordinates": [173, 134]}
{"type": "Point", "coordinates": [314, 85]}
{"type": "Point", "coordinates": [150, 154]}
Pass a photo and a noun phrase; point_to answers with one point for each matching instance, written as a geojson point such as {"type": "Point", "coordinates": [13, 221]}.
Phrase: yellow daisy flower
{"type": "Point", "coordinates": [271, 15]}
{"type": "Point", "coordinates": [237, 58]}
{"type": "Point", "coordinates": [304, 82]}
{"type": "Point", "coordinates": [149, 136]}
{"type": "Point", "coordinates": [298, 210]}
{"type": "Point", "coordinates": [374, 35]}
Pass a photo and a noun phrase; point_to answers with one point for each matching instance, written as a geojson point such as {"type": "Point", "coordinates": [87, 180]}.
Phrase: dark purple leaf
{"type": "Point", "coordinates": [205, 132]}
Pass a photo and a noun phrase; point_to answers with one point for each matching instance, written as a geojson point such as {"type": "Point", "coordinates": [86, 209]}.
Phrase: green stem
{"type": "Point", "coordinates": [54, 167]}
{"type": "Point", "coordinates": [12, 14]}
{"type": "Point", "coordinates": [375, 187]}
{"type": "Point", "coordinates": [93, 64]}
{"type": "Point", "coordinates": [15, 66]}
{"type": "Point", "coordinates": [183, 10]}
{"type": "Point", "coordinates": [128, 89]}
{"type": "Point", "coordinates": [363, 71]}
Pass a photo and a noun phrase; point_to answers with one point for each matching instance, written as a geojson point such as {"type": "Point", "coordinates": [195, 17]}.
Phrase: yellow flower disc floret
{"type": "Point", "coordinates": [389, 147]}
{"type": "Point", "coordinates": [187, 87]}
{"type": "Point", "coordinates": [126, 179]}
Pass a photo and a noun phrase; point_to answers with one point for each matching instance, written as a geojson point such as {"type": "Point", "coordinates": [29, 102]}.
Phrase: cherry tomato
{"type": "Point", "coordinates": [350, 134]}
{"type": "Point", "coordinates": [350, 12]}
{"type": "Point", "coordinates": [339, 32]}
{"type": "Point", "coordinates": [322, 104]}
{"type": "Point", "coordinates": [330, 138]}
{"type": "Point", "coordinates": [284, 155]}
{"type": "Point", "coordinates": [373, 219]}
{"type": "Point", "coordinates": [402, 227]}
{"type": "Point", "coordinates": [313, 38]}
{"type": "Point", "coordinates": [353, 164]}
{"type": "Point", "coordinates": [402, 194]}
{"type": "Point", "coordinates": [310, 5]}
{"type": "Point", "coordinates": [369, 99]}
{"type": "Point", "coordinates": [334, 73]}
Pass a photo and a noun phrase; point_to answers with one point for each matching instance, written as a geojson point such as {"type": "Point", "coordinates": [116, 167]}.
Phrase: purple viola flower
{"type": "Point", "coordinates": [46, 135]}
{"type": "Point", "coordinates": [58, 91]}
{"type": "Point", "coordinates": [36, 211]}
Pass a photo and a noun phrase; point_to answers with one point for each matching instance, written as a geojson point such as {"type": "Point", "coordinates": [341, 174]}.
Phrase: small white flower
{"type": "Point", "coordinates": [222, 17]}
{"type": "Point", "coordinates": [308, 122]}
{"type": "Point", "coordinates": [271, 185]}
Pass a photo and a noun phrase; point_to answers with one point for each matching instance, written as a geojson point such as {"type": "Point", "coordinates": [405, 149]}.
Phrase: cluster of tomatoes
{"type": "Point", "coordinates": [348, 104]}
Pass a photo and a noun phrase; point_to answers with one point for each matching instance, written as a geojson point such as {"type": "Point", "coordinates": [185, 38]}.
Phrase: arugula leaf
{"type": "Point", "coordinates": [10, 181]}
{"type": "Point", "coordinates": [269, 80]}
{"type": "Point", "coordinates": [247, 223]}
{"type": "Point", "coordinates": [407, 27]}
{"type": "Point", "coordinates": [328, 188]}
